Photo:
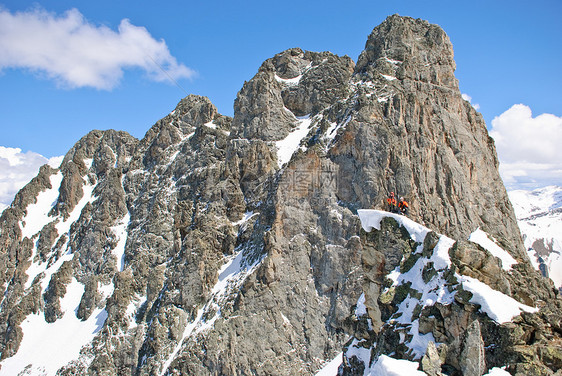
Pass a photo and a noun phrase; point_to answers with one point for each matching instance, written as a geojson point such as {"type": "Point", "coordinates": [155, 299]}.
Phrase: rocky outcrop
{"type": "Point", "coordinates": [293, 83]}
{"type": "Point", "coordinates": [231, 246]}
{"type": "Point", "coordinates": [425, 309]}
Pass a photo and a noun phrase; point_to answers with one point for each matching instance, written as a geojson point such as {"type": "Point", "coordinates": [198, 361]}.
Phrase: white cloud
{"type": "Point", "coordinates": [468, 98]}
{"type": "Point", "coordinates": [76, 53]}
{"type": "Point", "coordinates": [17, 169]}
{"type": "Point", "coordinates": [529, 147]}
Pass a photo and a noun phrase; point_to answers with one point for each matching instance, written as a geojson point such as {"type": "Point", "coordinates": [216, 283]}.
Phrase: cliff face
{"type": "Point", "coordinates": [232, 246]}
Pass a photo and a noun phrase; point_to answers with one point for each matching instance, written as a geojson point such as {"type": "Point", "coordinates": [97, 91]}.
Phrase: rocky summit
{"type": "Point", "coordinates": [250, 245]}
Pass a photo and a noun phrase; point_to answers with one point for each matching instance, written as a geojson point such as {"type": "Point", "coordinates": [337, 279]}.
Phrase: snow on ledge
{"type": "Point", "coordinates": [499, 307]}
{"type": "Point", "coordinates": [289, 81]}
{"type": "Point", "coordinates": [497, 372]}
{"type": "Point", "coordinates": [395, 62]}
{"type": "Point", "coordinates": [372, 219]}
{"type": "Point", "coordinates": [481, 238]}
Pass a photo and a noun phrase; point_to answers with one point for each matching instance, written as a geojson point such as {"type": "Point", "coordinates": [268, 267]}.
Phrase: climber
{"type": "Point", "coordinates": [391, 200]}
{"type": "Point", "coordinates": [403, 206]}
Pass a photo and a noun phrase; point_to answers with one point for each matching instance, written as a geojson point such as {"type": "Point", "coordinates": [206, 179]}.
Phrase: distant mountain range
{"type": "Point", "coordinates": [539, 215]}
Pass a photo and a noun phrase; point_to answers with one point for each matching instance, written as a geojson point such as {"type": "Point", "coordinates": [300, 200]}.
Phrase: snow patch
{"type": "Point", "coordinates": [333, 129]}
{"type": "Point", "coordinates": [481, 238]}
{"type": "Point", "coordinates": [539, 216]}
{"type": "Point", "coordinates": [133, 308]}
{"type": "Point", "coordinates": [227, 272]}
{"type": "Point", "coordinates": [88, 162]}
{"type": "Point", "coordinates": [389, 78]}
{"type": "Point", "coordinates": [46, 347]}
{"type": "Point", "coordinates": [361, 309]}
{"type": "Point", "coordinates": [211, 125]}
{"type": "Point", "coordinates": [387, 366]}
{"type": "Point", "coordinates": [287, 147]}
{"type": "Point", "coordinates": [231, 275]}
{"type": "Point", "coordinates": [106, 290]}
{"type": "Point", "coordinates": [331, 368]}
{"type": "Point", "coordinates": [62, 228]}
{"type": "Point", "coordinates": [247, 216]}
{"type": "Point", "coordinates": [87, 196]}
{"type": "Point", "coordinates": [356, 350]}
{"type": "Point", "coordinates": [120, 231]}
{"type": "Point", "coordinates": [38, 213]}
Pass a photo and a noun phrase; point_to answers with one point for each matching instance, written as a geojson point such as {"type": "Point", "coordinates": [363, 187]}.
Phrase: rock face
{"type": "Point", "coordinates": [232, 246]}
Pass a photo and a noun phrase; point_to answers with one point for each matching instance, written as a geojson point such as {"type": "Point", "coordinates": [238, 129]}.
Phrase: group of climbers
{"type": "Point", "coordinates": [395, 206]}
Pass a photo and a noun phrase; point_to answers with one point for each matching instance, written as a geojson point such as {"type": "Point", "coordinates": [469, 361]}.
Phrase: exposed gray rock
{"type": "Point", "coordinates": [431, 362]}
{"type": "Point", "coordinates": [472, 359]}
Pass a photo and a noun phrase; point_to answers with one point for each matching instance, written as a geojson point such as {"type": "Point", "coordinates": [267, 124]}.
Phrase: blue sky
{"type": "Point", "coordinates": [507, 53]}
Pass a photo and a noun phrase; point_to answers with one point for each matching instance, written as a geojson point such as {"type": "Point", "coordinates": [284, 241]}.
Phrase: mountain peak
{"type": "Point", "coordinates": [417, 50]}
{"type": "Point", "coordinates": [234, 246]}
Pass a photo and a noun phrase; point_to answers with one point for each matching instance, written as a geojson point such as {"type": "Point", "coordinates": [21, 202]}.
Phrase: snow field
{"type": "Point", "coordinates": [529, 203]}
{"type": "Point", "coordinates": [549, 228]}
{"type": "Point", "coordinates": [539, 218]}
{"type": "Point", "coordinates": [48, 346]}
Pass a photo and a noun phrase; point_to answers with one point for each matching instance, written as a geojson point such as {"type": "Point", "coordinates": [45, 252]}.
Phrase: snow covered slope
{"type": "Point", "coordinates": [539, 214]}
